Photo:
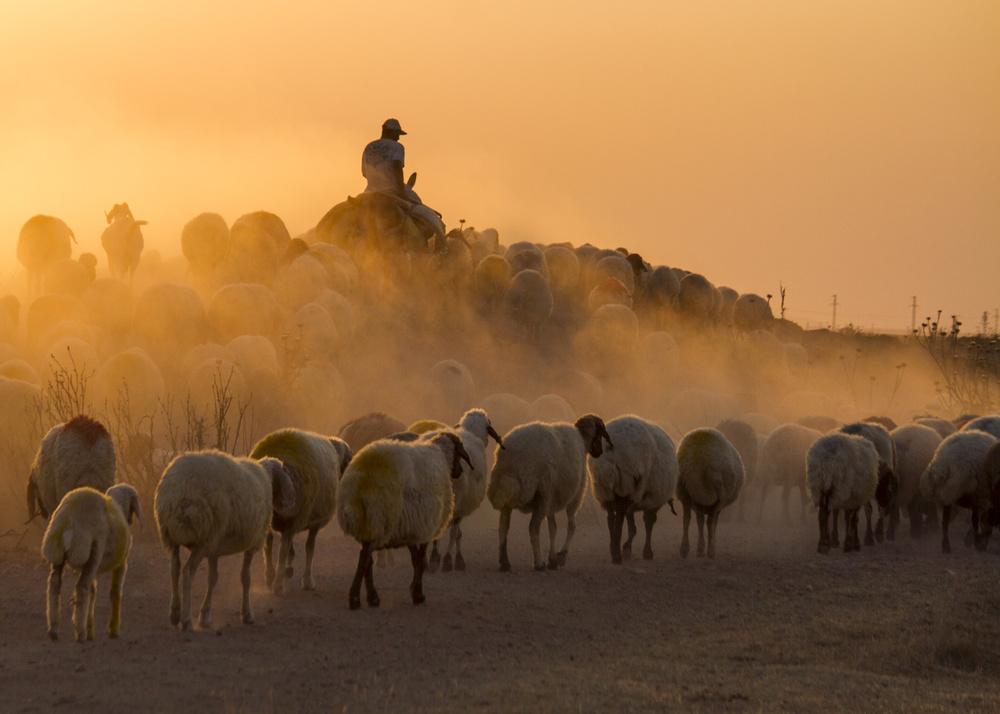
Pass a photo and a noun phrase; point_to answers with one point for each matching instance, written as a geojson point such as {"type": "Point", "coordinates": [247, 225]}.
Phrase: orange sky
{"type": "Point", "coordinates": [848, 148]}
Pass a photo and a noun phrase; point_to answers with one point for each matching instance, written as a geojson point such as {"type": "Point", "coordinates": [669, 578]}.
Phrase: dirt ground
{"type": "Point", "coordinates": [768, 626]}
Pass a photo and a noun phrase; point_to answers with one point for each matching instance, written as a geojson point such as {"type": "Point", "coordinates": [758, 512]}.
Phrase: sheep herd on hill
{"type": "Point", "coordinates": [321, 348]}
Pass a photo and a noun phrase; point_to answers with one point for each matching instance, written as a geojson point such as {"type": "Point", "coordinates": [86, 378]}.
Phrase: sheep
{"type": "Point", "coordinates": [752, 312]}
{"type": "Point", "coordinates": [915, 447]}
{"type": "Point", "coordinates": [956, 477]}
{"type": "Point", "coordinates": [473, 429]}
{"type": "Point", "coordinates": [989, 424]}
{"type": "Point", "coordinates": [205, 244]}
{"type": "Point", "coordinates": [168, 314]}
{"type": "Point", "coordinates": [365, 429]}
{"type": "Point", "coordinates": [396, 494]}
{"type": "Point", "coordinates": [710, 478]}
{"type": "Point", "coordinates": [696, 297]}
{"type": "Point", "coordinates": [243, 309]}
{"type": "Point", "coordinates": [130, 373]}
{"type": "Point", "coordinates": [725, 307]}
{"type": "Point", "coordinates": [887, 482]}
{"type": "Point", "coordinates": [315, 464]}
{"type": "Point", "coordinates": [942, 426]}
{"type": "Point", "coordinates": [108, 304]}
{"type": "Point", "coordinates": [526, 256]}
{"type": "Point", "coordinates": [68, 276]}
{"type": "Point", "coordinates": [639, 474]}
{"type": "Point", "coordinates": [122, 241]}
{"type": "Point", "coordinates": [42, 241]}
{"type": "Point", "coordinates": [991, 473]}
{"type": "Point", "coordinates": [89, 533]}
{"type": "Point", "coordinates": [527, 303]}
{"type": "Point", "coordinates": [257, 241]}
{"type": "Point", "coordinates": [742, 436]}
{"type": "Point", "coordinates": [842, 474]}
{"type": "Point", "coordinates": [215, 504]}
{"type": "Point", "coordinates": [490, 280]}
{"type": "Point", "coordinates": [73, 454]}
{"type": "Point", "coordinates": [543, 470]}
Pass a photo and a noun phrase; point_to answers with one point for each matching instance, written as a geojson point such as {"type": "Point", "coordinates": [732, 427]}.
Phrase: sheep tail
{"type": "Point", "coordinates": [191, 523]}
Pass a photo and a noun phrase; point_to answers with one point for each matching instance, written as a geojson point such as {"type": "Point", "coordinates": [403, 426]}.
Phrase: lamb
{"type": "Point", "coordinates": [956, 477]}
{"type": "Point", "coordinates": [710, 478]}
{"type": "Point", "coordinates": [72, 455]}
{"type": "Point", "coordinates": [543, 470]}
{"type": "Point", "coordinates": [887, 481]}
{"type": "Point", "coordinates": [122, 241]}
{"type": "Point", "coordinates": [214, 504]}
{"type": "Point", "coordinates": [843, 473]}
{"type": "Point", "coordinates": [89, 533]}
{"type": "Point", "coordinates": [915, 447]}
{"type": "Point", "coordinates": [396, 494]}
{"type": "Point", "coordinates": [639, 474]}
{"type": "Point", "coordinates": [469, 488]}
{"type": "Point", "coordinates": [314, 464]}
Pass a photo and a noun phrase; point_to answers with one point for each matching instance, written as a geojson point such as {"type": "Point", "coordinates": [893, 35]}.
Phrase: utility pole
{"type": "Point", "coordinates": [996, 321]}
{"type": "Point", "coordinates": [833, 325]}
{"type": "Point", "coordinates": [913, 316]}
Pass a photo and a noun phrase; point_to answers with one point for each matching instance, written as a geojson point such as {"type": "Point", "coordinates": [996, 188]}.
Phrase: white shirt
{"type": "Point", "coordinates": [376, 164]}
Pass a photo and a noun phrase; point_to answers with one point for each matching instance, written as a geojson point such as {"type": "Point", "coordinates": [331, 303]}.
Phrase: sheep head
{"type": "Point", "coordinates": [592, 429]}
{"type": "Point", "coordinates": [458, 452]}
{"type": "Point", "coordinates": [886, 490]}
{"type": "Point", "coordinates": [128, 500]}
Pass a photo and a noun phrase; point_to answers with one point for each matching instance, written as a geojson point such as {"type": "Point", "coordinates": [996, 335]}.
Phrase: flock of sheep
{"type": "Point", "coordinates": [298, 321]}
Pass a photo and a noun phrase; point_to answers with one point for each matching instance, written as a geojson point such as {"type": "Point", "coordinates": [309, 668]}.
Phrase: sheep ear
{"type": "Point", "coordinates": [496, 437]}
{"type": "Point", "coordinates": [671, 502]}
{"type": "Point", "coordinates": [280, 475]}
{"type": "Point", "coordinates": [33, 501]}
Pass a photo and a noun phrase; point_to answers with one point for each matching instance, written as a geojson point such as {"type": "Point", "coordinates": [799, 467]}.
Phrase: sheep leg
{"type": "Point", "coordinates": [615, 533]}
{"type": "Point", "coordinates": [627, 548]}
{"type": "Point", "coordinates": [852, 542]}
{"type": "Point", "coordinates": [418, 556]}
{"type": "Point", "coordinates": [701, 535]}
{"type": "Point", "coordinates": [363, 572]}
{"type": "Point", "coordinates": [945, 522]}
{"type": "Point", "coordinates": [459, 560]}
{"type": "Point", "coordinates": [187, 577]}
{"type": "Point", "coordinates": [869, 536]}
{"type": "Point", "coordinates": [504, 528]}
{"type": "Point", "coordinates": [834, 534]}
{"type": "Point", "coordinates": [915, 513]}
{"type": "Point", "coordinates": [308, 583]}
{"type": "Point", "coordinates": [83, 595]}
{"type": "Point", "coordinates": [980, 534]}
{"type": "Point", "coordinates": [446, 564]}
{"type": "Point", "coordinates": [269, 559]}
{"type": "Point", "coordinates": [52, 611]}
{"type": "Point", "coordinates": [930, 510]}
{"type": "Point", "coordinates": [371, 597]}
{"type": "Point", "coordinates": [205, 614]}
{"type": "Point", "coordinates": [435, 559]}
{"type": "Point", "coordinates": [824, 525]}
{"type": "Point", "coordinates": [785, 493]}
{"type": "Point", "coordinates": [763, 495]}
{"type": "Point", "coordinates": [246, 611]}
{"type": "Point", "coordinates": [534, 526]}
{"type": "Point", "coordinates": [553, 528]}
{"type": "Point", "coordinates": [685, 544]}
{"type": "Point", "coordinates": [880, 524]}
{"type": "Point", "coordinates": [117, 585]}
{"type": "Point", "coordinates": [713, 521]}
{"type": "Point", "coordinates": [90, 609]}
{"type": "Point", "coordinates": [175, 590]}
{"type": "Point", "coordinates": [570, 531]}
{"type": "Point", "coordinates": [284, 548]}
{"type": "Point", "coordinates": [648, 519]}
{"type": "Point", "coordinates": [804, 500]}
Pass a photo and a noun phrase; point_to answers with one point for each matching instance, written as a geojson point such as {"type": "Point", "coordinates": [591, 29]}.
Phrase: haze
{"type": "Point", "coordinates": [846, 148]}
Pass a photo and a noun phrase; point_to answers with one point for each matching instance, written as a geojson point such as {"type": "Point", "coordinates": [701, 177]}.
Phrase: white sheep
{"type": "Point", "coordinates": [639, 474]}
{"type": "Point", "coordinates": [474, 429]}
{"type": "Point", "coordinates": [989, 424]}
{"type": "Point", "coordinates": [365, 429]}
{"type": "Point", "coordinates": [396, 494]}
{"type": "Point", "coordinates": [710, 478]}
{"type": "Point", "coordinates": [915, 447]}
{"type": "Point", "coordinates": [527, 303]}
{"type": "Point", "coordinates": [314, 463]}
{"type": "Point", "coordinates": [888, 484]}
{"type": "Point", "coordinates": [205, 244]}
{"type": "Point", "coordinates": [89, 533]}
{"type": "Point", "coordinates": [543, 470]}
{"type": "Point", "coordinates": [72, 455]}
{"type": "Point", "coordinates": [214, 504]}
{"type": "Point", "coordinates": [752, 312]}
{"type": "Point", "coordinates": [842, 475]}
{"type": "Point", "coordinates": [741, 435]}
{"type": "Point", "coordinates": [956, 477]}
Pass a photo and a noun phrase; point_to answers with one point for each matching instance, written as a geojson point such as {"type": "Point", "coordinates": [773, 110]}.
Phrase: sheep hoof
{"type": "Point", "coordinates": [504, 567]}
{"type": "Point", "coordinates": [459, 562]}
{"type": "Point", "coordinates": [627, 553]}
{"type": "Point", "coordinates": [616, 559]}
{"type": "Point", "coordinates": [247, 619]}
{"type": "Point", "coordinates": [373, 601]}
{"type": "Point", "coordinates": [53, 635]}
{"type": "Point", "coordinates": [446, 563]}
{"type": "Point", "coordinates": [869, 539]}
{"type": "Point", "coordinates": [561, 558]}
{"type": "Point", "coordinates": [540, 568]}
{"type": "Point", "coordinates": [308, 583]}
{"type": "Point", "coordinates": [823, 549]}
{"type": "Point", "coordinates": [419, 599]}
{"type": "Point", "coordinates": [354, 602]}
{"type": "Point", "coordinates": [647, 553]}
{"type": "Point", "coordinates": [81, 637]}
{"type": "Point", "coordinates": [289, 572]}
{"type": "Point", "coordinates": [685, 548]}
{"type": "Point", "coordinates": [185, 625]}
{"type": "Point", "coordinates": [175, 617]}
{"type": "Point", "coordinates": [205, 621]}
{"type": "Point", "coordinates": [553, 565]}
